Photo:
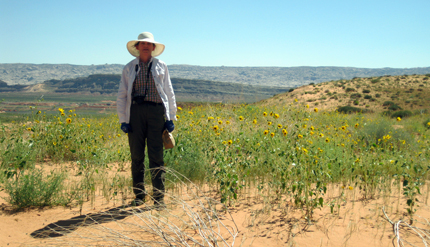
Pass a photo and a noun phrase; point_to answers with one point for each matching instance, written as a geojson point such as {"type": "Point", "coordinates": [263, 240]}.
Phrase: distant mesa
{"type": "Point", "coordinates": [27, 74]}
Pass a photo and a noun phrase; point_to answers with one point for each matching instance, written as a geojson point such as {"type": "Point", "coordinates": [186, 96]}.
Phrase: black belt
{"type": "Point", "coordinates": [134, 102]}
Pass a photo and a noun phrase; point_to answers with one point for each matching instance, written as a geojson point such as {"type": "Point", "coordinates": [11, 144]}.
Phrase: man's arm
{"type": "Point", "coordinates": [168, 89]}
{"type": "Point", "coordinates": [121, 100]}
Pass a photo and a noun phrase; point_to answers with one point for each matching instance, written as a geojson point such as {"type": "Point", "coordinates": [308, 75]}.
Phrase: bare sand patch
{"type": "Point", "coordinates": [253, 220]}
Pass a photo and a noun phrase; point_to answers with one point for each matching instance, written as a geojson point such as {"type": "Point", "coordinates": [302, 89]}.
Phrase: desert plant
{"type": "Point", "coordinates": [375, 131]}
{"type": "Point", "coordinates": [394, 107]}
{"type": "Point", "coordinates": [388, 103]}
{"type": "Point", "coordinates": [355, 96]}
{"type": "Point", "coordinates": [386, 113]}
{"type": "Point", "coordinates": [31, 188]}
{"type": "Point", "coordinates": [350, 109]}
{"type": "Point", "coordinates": [401, 114]}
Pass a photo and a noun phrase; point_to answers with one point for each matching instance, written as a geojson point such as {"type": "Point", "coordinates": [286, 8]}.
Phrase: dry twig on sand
{"type": "Point", "coordinates": [423, 234]}
{"type": "Point", "coordinates": [189, 219]}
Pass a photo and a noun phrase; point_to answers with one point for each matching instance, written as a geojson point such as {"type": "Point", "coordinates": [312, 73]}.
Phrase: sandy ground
{"type": "Point", "coordinates": [256, 221]}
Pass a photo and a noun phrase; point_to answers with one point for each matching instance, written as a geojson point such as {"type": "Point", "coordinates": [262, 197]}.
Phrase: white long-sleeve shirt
{"type": "Point", "coordinates": [162, 83]}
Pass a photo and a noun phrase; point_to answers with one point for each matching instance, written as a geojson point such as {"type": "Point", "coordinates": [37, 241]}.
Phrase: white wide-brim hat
{"type": "Point", "coordinates": [146, 37]}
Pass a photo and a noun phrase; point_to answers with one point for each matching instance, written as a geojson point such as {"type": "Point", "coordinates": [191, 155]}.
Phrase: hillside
{"type": "Point", "coordinates": [384, 93]}
{"type": "Point", "coordinates": [28, 74]}
{"type": "Point", "coordinates": [284, 76]}
{"type": "Point", "coordinates": [185, 89]}
{"type": "Point", "coordinates": [4, 87]}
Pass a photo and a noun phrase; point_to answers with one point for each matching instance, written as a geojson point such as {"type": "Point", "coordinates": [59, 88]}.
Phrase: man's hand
{"type": "Point", "coordinates": [169, 125]}
{"type": "Point", "coordinates": [126, 127]}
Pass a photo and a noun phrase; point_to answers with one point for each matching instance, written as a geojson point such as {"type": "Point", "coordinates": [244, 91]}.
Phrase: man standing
{"type": "Point", "coordinates": [146, 106]}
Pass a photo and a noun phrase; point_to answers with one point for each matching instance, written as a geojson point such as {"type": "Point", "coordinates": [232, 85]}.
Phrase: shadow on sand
{"type": "Point", "coordinates": [63, 227]}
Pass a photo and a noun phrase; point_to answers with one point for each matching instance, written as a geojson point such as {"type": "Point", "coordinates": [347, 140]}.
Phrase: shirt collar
{"type": "Point", "coordinates": [145, 64]}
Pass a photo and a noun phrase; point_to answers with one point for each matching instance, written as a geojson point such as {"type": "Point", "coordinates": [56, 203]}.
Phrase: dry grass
{"type": "Point", "coordinates": [189, 219]}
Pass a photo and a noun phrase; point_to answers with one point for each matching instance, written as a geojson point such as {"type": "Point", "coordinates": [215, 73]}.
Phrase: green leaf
{"type": "Point", "coordinates": [409, 202]}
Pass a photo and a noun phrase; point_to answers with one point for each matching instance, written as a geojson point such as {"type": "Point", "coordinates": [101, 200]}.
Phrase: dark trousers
{"type": "Point", "coordinates": [147, 124]}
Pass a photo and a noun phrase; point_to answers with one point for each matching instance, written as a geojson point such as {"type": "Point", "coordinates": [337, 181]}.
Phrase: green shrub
{"type": "Point", "coordinates": [374, 131]}
{"type": "Point", "coordinates": [386, 113]}
{"type": "Point", "coordinates": [394, 107]}
{"type": "Point", "coordinates": [31, 188]}
{"type": "Point", "coordinates": [377, 95]}
{"type": "Point", "coordinates": [366, 91]}
{"type": "Point", "coordinates": [388, 103]}
{"type": "Point", "coordinates": [349, 89]}
{"type": "Point", "coordinates": [19, 154]}
{"type": "Point", "coordinates": [401, 114]}
{"type": "Point", "coordinates": [291, 89]}
{"type": "Point", "coordinates": [190, 163]}
{"type": "Point", "coordinates": [355, 96]}
{"type": "Point", "coordinates": [356, 102]}
{"type": "Point", "coordinates": [350, 109]}
{"type": "Point", "coordinates": [368, 96]}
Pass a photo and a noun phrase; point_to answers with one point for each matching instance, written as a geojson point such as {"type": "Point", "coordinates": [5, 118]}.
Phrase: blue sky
{"type": "Point", "coordinates": [366, 34]}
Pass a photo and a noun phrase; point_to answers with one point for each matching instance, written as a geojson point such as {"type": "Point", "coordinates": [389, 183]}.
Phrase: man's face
{"type": "Point", "coordinates": [145, 48]}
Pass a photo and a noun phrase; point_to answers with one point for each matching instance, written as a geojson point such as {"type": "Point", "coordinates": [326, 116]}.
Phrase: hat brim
{"type": "Point", "coordinates": [159, 48]}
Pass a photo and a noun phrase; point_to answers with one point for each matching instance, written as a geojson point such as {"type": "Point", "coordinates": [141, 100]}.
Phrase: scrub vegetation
{"type": "Point", "coordinates": [294, 152]}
